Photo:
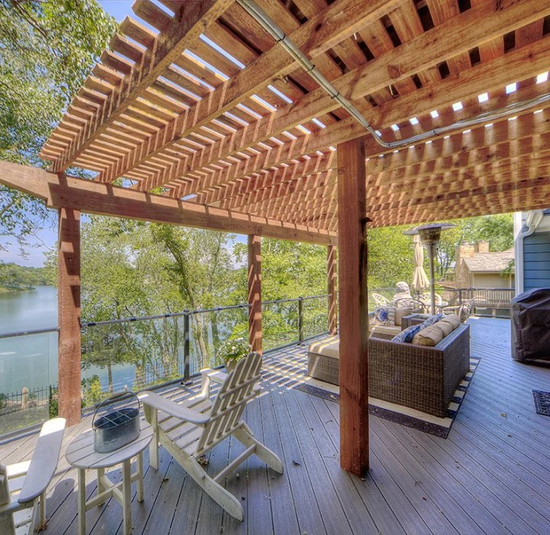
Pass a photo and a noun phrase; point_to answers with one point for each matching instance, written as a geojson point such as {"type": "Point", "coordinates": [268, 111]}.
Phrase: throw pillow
{"type": "Point", "coordinates": [453, 319]}
{"type": "Point", "coordinates": [407, 335]}
{"type": "Point", "coordinates": [384, 315]}
{"type": "Point", "coordinates": [432, 319]}
{"type": "Point", "coordinates": [430, 336]}
{"type": "Point", "coordinates": [400, 313]}
{"type": "Point", "coordinates": [445, 326]}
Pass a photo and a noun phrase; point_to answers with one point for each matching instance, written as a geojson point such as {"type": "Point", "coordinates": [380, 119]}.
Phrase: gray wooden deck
{"type": "Point", "coordinates": [491, 475]}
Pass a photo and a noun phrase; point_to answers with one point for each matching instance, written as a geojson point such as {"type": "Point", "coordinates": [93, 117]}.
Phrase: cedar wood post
{"type": "Point", "coordinates": [331, 284]}
{"type": "Point", "coordinates": [68, 295]}
{"type": "Point", "coordinates": [354, 396]}
{"type": "Point", "coordinates": [255, 292]}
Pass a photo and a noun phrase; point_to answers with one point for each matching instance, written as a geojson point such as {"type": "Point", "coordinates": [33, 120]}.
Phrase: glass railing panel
{"type": "Point", "coordinates": [315, 316]}
{"type": "Point", "coordinates": [28, 366]}
{"type": "Point", "coordinates": [131, 355]}
{"type": "Point", "coordinates": [209, 329]}
{"type": "Point", "coordinates": [279, 323]}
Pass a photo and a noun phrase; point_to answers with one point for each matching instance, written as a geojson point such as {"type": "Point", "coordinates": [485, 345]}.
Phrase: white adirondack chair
{"type": "Point", "coordinates": [23, 486]}
{"type": "Point", "coordinates": [191, 429]}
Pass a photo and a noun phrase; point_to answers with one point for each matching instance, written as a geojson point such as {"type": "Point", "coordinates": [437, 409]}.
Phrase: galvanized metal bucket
{"type": "Point", "coordinates": [118, 427]}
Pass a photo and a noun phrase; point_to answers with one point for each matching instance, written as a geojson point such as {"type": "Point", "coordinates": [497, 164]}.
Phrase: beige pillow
{"type": "Point", "coordinates": [430, 336]}
{"type": "Point", "coordinates": [445, 326]}
{"type": "Point", "coordinates": [453, 319]}
{"type": "Point", "coordinates": [401, 312]}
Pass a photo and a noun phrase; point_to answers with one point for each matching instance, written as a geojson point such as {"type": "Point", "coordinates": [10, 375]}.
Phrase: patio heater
{"type": "Point", "coordinates": [430, 235]}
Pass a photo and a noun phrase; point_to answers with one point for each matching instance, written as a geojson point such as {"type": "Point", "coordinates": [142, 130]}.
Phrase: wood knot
{"type": "Point", "coordinates": [394, 72]}
{"type": "Point", "coordinates": [318, 27]}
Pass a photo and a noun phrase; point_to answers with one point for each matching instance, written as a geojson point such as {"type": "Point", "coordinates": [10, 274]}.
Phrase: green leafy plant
{"type": "Point", "coordinates": [233, 349]}
{"type": "Point", "coordinates": [53, 403]}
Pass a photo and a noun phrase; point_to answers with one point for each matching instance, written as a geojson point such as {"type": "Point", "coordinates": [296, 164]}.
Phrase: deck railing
{"type": "Point", "coordinates": [140, 352]}
{"type": "Point", "coordinates": [494, 302]}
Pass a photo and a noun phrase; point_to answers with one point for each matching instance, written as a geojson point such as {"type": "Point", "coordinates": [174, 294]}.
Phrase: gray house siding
{"type": "Point", "coordinates": [536, 261]}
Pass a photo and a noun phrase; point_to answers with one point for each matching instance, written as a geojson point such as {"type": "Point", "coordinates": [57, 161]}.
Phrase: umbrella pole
{"type": "Point", "coordinates": [431, 250]}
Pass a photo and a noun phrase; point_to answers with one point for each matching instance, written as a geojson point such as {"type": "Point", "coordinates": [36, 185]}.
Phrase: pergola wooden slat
{"type": "Point", "coordinates": [213, 124]}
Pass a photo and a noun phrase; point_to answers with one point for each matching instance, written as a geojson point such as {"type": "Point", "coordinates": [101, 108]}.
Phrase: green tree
{"type": "Point", "coordinates": [390, 257]}
{"type": "Point", "coordinates": [47, 48]}
{"type": "Point", "coordinates": [200, 263]}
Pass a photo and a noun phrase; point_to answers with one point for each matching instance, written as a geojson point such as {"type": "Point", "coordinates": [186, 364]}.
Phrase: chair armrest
{"type": "Point", "coordinates": [18, 469]}
{"type": "Point", "coordinates": [44, 460]}
{"type": "Point", "coordinates": [173, 409]}
{"type": "Point", "coordinates": [216, 376]}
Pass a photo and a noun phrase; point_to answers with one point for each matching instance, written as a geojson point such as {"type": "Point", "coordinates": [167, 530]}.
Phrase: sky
{"type": "Point", "coordinates": [46, 237]}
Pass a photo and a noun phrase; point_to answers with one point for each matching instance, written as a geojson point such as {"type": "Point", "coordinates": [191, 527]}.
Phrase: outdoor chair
{"type": "Point", "coordinates": [190, 429]}
{"type": "Point", "coordinates": [427, 297]}
{"type": "Point", "coordinates": [416, 305]}
{"type": "Point", "coordinates": [23, 485]}
{"type": "Point", "coordinates": [463, 311]}
{"type": "Point", "coordinates": [380, 300]}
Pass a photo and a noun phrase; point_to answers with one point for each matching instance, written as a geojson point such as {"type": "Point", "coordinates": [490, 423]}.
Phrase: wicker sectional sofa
{"type": "Point", "coordinates": [419, 377]}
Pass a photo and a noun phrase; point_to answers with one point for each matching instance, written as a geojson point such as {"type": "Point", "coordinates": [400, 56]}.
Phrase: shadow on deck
{"type": "Point", "coordinates": [491, 475]}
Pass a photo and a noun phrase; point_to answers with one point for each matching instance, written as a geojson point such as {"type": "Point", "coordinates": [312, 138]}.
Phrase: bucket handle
{"type": "Point", "coordinates": [112, 397]}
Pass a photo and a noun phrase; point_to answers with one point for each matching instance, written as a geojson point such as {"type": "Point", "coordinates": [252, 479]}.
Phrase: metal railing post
{"type": "Point", "coordinates": [300, 320]}
{"type": "Point", "coordinates": [186, 345]}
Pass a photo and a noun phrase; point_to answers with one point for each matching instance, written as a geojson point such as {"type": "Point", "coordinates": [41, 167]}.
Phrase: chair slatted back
{"type": "Point", "coordinates": [236, 391]}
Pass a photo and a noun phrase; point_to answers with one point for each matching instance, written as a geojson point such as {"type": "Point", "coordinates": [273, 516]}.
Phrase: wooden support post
{"type": "Point", "coordinates": [354, 396]}
{"type": "Point", "coordinates": [68, 292]}
{"type": "Point", "coordinates": [331, 287]}
{"type": "Point", "coordinates": [255, 292]}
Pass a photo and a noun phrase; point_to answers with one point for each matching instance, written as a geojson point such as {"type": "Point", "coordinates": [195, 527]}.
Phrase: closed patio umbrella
{"type": "Point", "coordinates": [420, 279]}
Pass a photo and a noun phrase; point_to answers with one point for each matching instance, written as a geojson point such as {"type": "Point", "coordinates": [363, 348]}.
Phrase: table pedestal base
{"type": "Point", "coordinates": [106, 489]}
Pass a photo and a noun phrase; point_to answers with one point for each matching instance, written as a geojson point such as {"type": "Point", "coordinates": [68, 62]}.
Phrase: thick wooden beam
{"type": "Point", "coordinates": [68, 294]}
{"type": "Point", "coordinates": [354, 395]}
{"type": "Point", "coordinates": [331, 288]}
{"type": "Point", "coordinates": [103, 199]}
{"type": "Point", "coordinates": [255, 292]}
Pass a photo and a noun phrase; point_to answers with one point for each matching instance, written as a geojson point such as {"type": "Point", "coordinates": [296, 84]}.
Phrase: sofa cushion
{"type": "Point", "coordinates": [400, 313]}
{"type": "Point", "coordinates": [329, 347]}
{"type": "Point", "coordinates": [433, 334]}
{"type": "Point", "coordinates": [384, 331]}
{"type": "Point", "coordinates": [406, 336]}
{"type": "Point", "coordinates": [453, 319]}
{"type": "Point", "coordinates": [430, 336]}
{"type": "Point", "coordinates": [384, 315]}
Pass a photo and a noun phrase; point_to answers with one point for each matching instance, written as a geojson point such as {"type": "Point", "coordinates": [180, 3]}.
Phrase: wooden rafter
{"type": "Point", "coordinates": [427, 49]}
{"type": "Point", "coordinates": [223, 122]}
{"type": "Point", "coordinates": [192, 19]}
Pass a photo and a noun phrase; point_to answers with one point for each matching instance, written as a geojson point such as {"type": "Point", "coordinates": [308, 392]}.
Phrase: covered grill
{"type": "Point", "coordinates": [531, 326]}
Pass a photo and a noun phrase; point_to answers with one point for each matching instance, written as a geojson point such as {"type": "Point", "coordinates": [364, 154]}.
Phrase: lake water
{"type": "Point", "coordinates": [31, 360]}
{"type": "Point", "coordinates": [25, 311]}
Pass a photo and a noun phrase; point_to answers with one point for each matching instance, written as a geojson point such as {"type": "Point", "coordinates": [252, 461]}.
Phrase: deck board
{"type": "Point", "coordinates": [491, 475]}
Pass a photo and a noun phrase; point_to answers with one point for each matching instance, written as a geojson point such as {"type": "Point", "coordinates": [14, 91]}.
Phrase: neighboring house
{"type": "Point", "coordinates": [477, 267]}
{"type": "Point", "coordinates": [532, 246]}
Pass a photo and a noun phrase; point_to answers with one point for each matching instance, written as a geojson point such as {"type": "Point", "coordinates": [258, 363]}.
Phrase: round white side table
{"type": "Point", "coordinates": [81, 454]}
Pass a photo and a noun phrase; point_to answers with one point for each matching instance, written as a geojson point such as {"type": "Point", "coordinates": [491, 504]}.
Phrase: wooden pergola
{"type": "Point", "coordinates": [431, 109]}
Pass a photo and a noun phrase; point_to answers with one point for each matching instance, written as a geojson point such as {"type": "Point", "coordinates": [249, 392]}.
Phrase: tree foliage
{"type": "Point", "coordinates": [14, 277]}
{"type": "Point", "coordinates": [47, 48]}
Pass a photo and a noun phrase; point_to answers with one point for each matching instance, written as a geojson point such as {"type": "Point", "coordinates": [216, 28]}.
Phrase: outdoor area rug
{"type": "Point", "coordinates": [542, 402]}
{"type": "Point", "coordinates": [439, 427]}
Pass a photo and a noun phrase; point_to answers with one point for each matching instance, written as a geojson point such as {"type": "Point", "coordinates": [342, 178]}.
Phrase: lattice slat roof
{"type": "Point", "coordinates": [195, 98]}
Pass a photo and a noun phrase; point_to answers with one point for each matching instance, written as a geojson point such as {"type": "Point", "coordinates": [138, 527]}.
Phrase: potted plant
{"type": "Point", "coordinates": [232, 350]}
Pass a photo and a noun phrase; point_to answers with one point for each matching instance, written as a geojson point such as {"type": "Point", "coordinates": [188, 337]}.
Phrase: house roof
{"type": "Point", "coordinates": [489, 262]}
{"type": "Point", "coordinates": [198, 102]}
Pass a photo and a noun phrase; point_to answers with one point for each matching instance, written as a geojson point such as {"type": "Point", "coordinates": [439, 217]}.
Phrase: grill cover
{"type": "Point", "coordinates": [531, 325]}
